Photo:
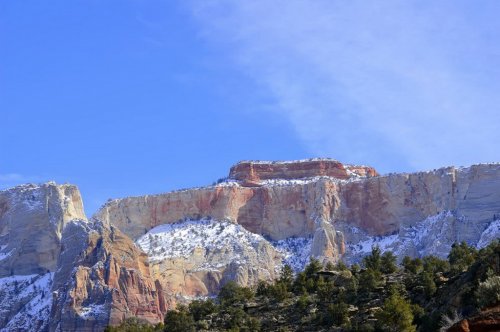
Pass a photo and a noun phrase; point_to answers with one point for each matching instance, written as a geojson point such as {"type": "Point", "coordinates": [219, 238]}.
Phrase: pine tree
{"type": "Point", "coordinates": [396, 315]}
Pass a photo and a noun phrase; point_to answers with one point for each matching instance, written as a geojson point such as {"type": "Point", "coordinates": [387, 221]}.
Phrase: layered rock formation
{"type": "Point", "coordinates": [460, 203]}
{"type": "Point", "coordinates": [195, 258]}
{"type": "Point", "coordinates": [32, 218]}
{"type": "Point", "coordinates": [82, 275]}
{"type": "Point", "coordinates": [102, 279]}
{"type": "Point", "coordinates": [31, 221]}
{"type": "Point", "coordinates": [253, 172]}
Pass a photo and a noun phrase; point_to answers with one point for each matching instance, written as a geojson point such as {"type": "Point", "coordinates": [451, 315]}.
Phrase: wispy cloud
{"type": "Point", "coordinates": [407, 83]}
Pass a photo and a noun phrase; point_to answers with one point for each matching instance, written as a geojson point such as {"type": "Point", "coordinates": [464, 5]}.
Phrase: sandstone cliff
{"type": "Point", "coordinates": [253, 172]}
{"type": "Point", "coordinates": [139, 256]}
{"type": "Point", "coordinates": [102, 279]}
{"type": "Point", "coordinates": [341, 214]}
{"type": "Point", "coordinates": [31, 221]}
{"type": "Point", "coordinates": [195, 258]}
{"type": "Point", "coordinates": [32, 218]}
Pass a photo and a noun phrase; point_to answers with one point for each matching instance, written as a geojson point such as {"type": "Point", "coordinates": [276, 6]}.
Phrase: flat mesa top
{"type": "Point", "coordinates": [255, 171]}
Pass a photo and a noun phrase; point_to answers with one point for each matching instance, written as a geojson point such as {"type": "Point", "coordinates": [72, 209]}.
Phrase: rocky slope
{"type": "Point", "coordinates": [102, 279]}
{"type": "Point", "coordinates": [32, 218]}
{"type": "Point", "coordinates": [60, 272]}
{"type": "Point", "coordinates": [31, 221]}
{"type": "Point", "coordinates": [139, 256]}
{"type": "Point", "coordinates": [403, 212]}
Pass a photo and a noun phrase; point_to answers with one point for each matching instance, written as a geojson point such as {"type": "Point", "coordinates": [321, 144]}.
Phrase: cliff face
{"type": "Point", "coordinates": [252, 172]}
{"type": "Point", "coordinates": [102, 279]}
{"type": "Point", "coordinates": [32, 218]}
{"type": "Point", "coordinates": [195, 258]}
{"type": "Point", "coordinates": [339, 213]}
{"type": "Point", "coordinates": [139, 256]}
{"type": "Point", "coordinates": [61, 272]}
{"type": "Point", "coordinates": [31, 221]}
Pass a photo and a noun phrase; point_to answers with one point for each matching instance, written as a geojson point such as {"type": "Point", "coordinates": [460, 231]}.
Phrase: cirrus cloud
{"type": "Point", "coordinates": [399, 84]}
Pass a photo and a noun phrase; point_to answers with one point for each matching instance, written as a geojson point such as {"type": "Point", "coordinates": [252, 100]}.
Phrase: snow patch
{"type": "Point", "coordinates": [427, 237]}
{"type": "Point", "coordinates": [492, 232]}
{"type": "Point", "coordinates": [181, 239]}
{"type": "Point", "coordinates": [92, 311]}
{"type": "Point", "coordinates": [295, 250]}
{"type": "Point", "coordinates": [26, 301]}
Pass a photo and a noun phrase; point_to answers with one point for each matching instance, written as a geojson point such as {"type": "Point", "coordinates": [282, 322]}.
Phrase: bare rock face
{"type": "Point", "coordinates": [421, 213]}
{"type": "Point", "coordinates": [102, 279]}
{"type": "Point", "coordinates": [252, 172]}
{"type": "Point", "coordinates": [276, 212]}
{"type": "Point", "coordinates": [405, 212]}
{"type": "Point", "coordinates": [195, 258]}
{"type": "Point", "coordinates": [31, 221]}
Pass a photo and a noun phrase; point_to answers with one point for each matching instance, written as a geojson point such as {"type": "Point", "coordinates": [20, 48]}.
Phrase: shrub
{"type": "Point", "coordinates": [374, 260]}
{"type": "Point", "coordinates": [427, 281]}
{"type": "Point", "coordinates": [201, 309]}
{"type": "Point", "coordinates": [396, 315]}
{"type": "Point", "coordinates": [369, 279]}
{"type": "Point", "coordinates": [338, 314]}
{"type": "Point", "coordinates": [134, 324]}
{"type": "Point", "coordinates": [461, 256]}
{"type": "Point", "coordinates": [231, 293]}
{"type": "Point", "coordinates": [488, 292]}
{"type": "Point", "coordinates": [434, 264]}
{"type": "Point", "coordinates": [414, 266]}
{"type": "Point", "coordinates": [179, 320]}
{"type": "Point", "coordinates": [388, 263]}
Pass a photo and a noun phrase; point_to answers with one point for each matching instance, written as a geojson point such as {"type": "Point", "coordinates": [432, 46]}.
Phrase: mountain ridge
{"type": "Point", "coordinates": [326, 216]}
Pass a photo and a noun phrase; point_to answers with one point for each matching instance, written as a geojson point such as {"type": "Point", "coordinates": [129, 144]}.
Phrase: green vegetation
{"type": "Point", "coordinates": [420, 295]}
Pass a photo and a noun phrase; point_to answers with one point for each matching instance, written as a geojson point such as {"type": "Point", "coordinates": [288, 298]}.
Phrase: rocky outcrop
{"type": "Point", "coordinates": [361, 208]}
{"type": "Point", "coordinates": [31, 221]}
{"type": "Point", "coordinates": [276, 212]}
{"type": "Point", "coordinates": [195, 258]}
{"type": "Point", "coordinates": [139, 256]}
{"type": "Point", "coordinates": [485, 321]}
{"type": "Point", "coordinates": [102, 279]}
{"type": "Point", "coordinates": [253, 172]}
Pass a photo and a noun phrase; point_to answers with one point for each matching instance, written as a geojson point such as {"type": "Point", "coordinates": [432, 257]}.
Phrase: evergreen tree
{"type": "Point", "coordinates": [179, 320]}
{"type": "Point", "coordinates": [461, 256]}
{"type": "Point", "coordinates": [388, 263]}
{"type": "Point", "coordinates": [374, 260]}
{"type": "Point", "coordinates": [201, 309]}
{"type": "Point", "coordinates": [312, 269]}
{"type": "Point", "coordinates": [414, 266]}
{"type": "Point", "coordinates": [396, 315]}
{"type": "Point", "coordinates": [231, 293]}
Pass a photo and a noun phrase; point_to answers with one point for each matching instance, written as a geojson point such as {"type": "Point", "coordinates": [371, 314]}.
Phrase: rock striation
{"type": "Point", "coordinates": [253, 172]}
{"type": "Point", "coordinates": [339, 213]}
{"type": "Point", "coordinates": [32, 218]}
{"type": "Point", "coordinates": [139, 256]}
{"type": "Point", "coordinates": [194, 259]}
{"type": "Point", "coordinates": [102, 279]}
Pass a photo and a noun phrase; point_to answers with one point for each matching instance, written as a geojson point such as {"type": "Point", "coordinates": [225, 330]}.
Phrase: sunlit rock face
{"type": "Point", "coordinates": [32, 218]}
{"type": "Point", "coordinates": [336, 205]}
{"type": "Point", "coordinates": [31, 221]}
{"type": "Point", "coordinates": [253, 172]}
{"type": "Point", "coordinates": [421, 213]}
{"type": "Point", "coordinates": [195, 258]}
{"type": "Point", "coordinates": [102, 279]}
{"type": "Point", "coordinates": [140, 256]}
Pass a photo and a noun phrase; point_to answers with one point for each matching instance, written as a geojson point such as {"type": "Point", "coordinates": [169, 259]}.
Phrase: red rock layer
{"type": "Point", "coordinates": [252, 172]}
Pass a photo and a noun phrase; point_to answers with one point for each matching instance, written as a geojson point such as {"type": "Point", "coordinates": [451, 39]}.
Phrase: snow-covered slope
{"type": "Point", "coordinates": [25, 302]}
{"type": "Point", "coordinates": [213, 252]}
{"type": "Point", "coordinates": [431, 236]}
{"type": "Point", "coordinates": [492, 232]}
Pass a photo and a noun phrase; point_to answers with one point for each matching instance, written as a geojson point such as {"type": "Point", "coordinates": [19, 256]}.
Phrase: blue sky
{"type": "Point", "coordinates": [136, 97]}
